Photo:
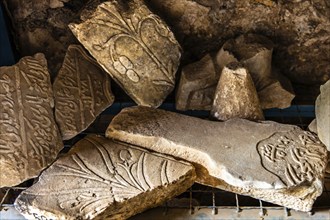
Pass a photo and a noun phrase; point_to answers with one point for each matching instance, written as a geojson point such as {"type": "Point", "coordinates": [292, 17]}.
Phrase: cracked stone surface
{"type": "Point", "coordinates": [197, 85]}
{"type": "Point", "coordinates": [255, 52]}
{"type": "Point", "coordinates": [81, 90]}
{"type": "Point", "coordinates": [135, 47]}
{"type": "Point", "coordinates": [29, 137]}
{"type": "Point", "coordinates": [322, 111]}
{"type": "Point", "coordinates": [274, 162]}
{"type": "Point", "coordinates": [236, 95]}
{"type": "Point", "coordinates": [102, 179]}
{"type": "Point", "coordinates": [299, 29]}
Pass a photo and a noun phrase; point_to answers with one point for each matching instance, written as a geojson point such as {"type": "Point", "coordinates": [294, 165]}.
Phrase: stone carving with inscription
{"type": "Point", "coordinates": [29, 137]}
{"type": "Point", "coordinates": [274, 162]}
{"type": "Point", "coordinates": [103, 179]}
{"type": "Point", "coordinates": [135, 47]}
{"type": "Point", "coordinates": [255, 52]}
{"type": "Point", "coordinates": [81, 90]}
{"type": "Point", "coordinates": [197, 85]}
{"type": "Point", "coordinates": [235, 95]}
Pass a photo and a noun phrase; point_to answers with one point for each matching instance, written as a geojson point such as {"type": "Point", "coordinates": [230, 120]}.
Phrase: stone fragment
{"type": "Point", "coordinates": [197, 85]}
{"type": "Point", "coordinates": [235, 95]}
{"type": "Point", "coordinates": [255, 52]}
{"type": "Point", "coordinates": [322, 111]}
{"type": "Point", "coordinates": [103, 179]}
{"type": "Point", "coordinates": [29, 138]}
{"type": "Point", "coordinates": [135, 47]}
{"type": "Point", "coordinates": [42, 26]}
{"type": "Point", "coordinates": [82, 91]}
{"type": "Point", "coordinates": [313, 126]}
{"type": "Point", "coordinates": [299, 29]}
{"type": "Point", "coordinates": [274, 162]}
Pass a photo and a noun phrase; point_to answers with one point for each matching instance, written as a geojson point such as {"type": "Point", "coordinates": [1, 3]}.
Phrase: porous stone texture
{"type": "Point", "coordinates": [103, 179]}
{"type": "Point", "coordinates": [197, 85]}
{"type": "Point", "coordinates": [236, 95]}
{"type": "Point", "coordinates": [135, 47]}
{"type": "Point", "coordinates": [81, 90]}
{"type": "Point", "coordinates": [322, 111]}
{"type": "Point", "coordinates": [299, 29]}
{"type": "Point", "coordinates": [42, 26]}
{"type": "Point", "coordinates": [274, 162]}
{"type": "Point", "coordinates": [29, 137]}
{"type": "Point", "coordinates": [255, 52]}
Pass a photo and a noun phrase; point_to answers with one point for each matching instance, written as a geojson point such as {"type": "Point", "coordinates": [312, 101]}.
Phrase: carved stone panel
{"type": "Point", "coordinates": [135, 47]}
{"type": "Point", "coordinates": [197, 85]}
{"type": "Point", "coordinates": [29, 138]}
{"type": "Point", "coordinates": [81, 90]}
{"type": "Point", "coordinates": [235, 95]}
{"type": "Point", "coordinates": [274, 162]}
{"type": "Point", "coordinates": [103, 179]}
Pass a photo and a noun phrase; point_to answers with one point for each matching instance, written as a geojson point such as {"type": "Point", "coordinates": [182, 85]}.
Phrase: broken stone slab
{"type": "Point", "coordinates": [82, 91]}
{"type": "Point", "coordinates": [135, 47]}
{"type": "Point", "coordinates": [236, 95]}
{"type": "Point", "coordinates": [313, 126]}
{"type": "Point", "coordinates": [274, 162]}
{"type": "Point", "coordinates": [29, 137]}
{"type": "Point", "coordinates": [197, 85]}
{"type": "Point", "coordinates": [322, 111]}
{"type": "Point", "coordinates": [102, 179]}
{"type": "Point", "coordinates": [255, 52]}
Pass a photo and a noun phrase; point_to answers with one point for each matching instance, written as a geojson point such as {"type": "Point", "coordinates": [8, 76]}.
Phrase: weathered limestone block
{"type": "Point", "coordinates": [255, 52]}
{"type": "Point", "coordinates": [103, 179]}
{"type": "Point", "coordinates": [322, 111]}
{"type": "Point", "coordinates": [29, 138]}
{"type": "Point", "coordinates": [235, 95]}
{"type": "Point", "coordinates": [82, 91]}
{"type": "Point", "coordinates": [313, 126]}
{"type": "Point", "coordinates": [135, 47]}
{"type": "Point", "coordinates": [274, 162]}
{"type": "Point", "coordinates": [197, 85]}
{"type": "Point", "coordinates": [42, 26]}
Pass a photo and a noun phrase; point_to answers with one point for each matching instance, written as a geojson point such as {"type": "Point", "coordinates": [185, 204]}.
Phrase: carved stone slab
{"type": "Point", "coordinates": [322, 111]}
{"type": "Point", "coordinates": [135, 47]}
{"type": "Point", "coordinates": [274, 162]}
{"type": "Point", "coordinates": [197, 85]}
{"type": "Point", "coordinates": [236, 96]}
{"type": "Point", "coordinates": [255, 52]}
{"type": "Point", "coordinates": [82, 91]}
{"type": "Point", "coordinates": [103, 179]}
{"type": "Point", "coordinates": [29, 138]}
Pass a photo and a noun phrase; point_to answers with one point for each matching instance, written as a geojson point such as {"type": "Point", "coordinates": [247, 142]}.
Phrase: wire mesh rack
{"type": "Point", "coordinates": [200, 202]}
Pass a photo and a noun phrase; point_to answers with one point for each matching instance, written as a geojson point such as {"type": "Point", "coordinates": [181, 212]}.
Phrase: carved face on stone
{"type": "Point", "coordinates": [294, 161]}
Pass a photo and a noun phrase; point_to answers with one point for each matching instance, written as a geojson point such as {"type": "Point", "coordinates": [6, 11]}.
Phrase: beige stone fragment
{"type": "Point", "coordinates": [235, 95]}
{"type": "Point", "coordinates": [255, 52]}
{"type": "Point", "coordinates": [197, 85]}
{"type": "Point", "coordinates": [274, 162]}
{"type": "Point", "coordinates": [29, 137]}
{"type": "Point", "coordinates": [313, 126]}
{"type": "Point", "coordinates": [82, 91]}
{"type": "Point", "coordinates": [322, 111]}
{"type": "Point", "coordinates": [135, 47]}
{"type": "Point", "coordinates": [103, 179]}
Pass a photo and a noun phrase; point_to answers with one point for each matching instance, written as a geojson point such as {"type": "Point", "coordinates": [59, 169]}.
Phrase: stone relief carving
{"type": "Point", "coordinates": [135, 47]}
{"type": "Point", "coordinates": [82, 91]}
{"type": "Point", "coordinates": [29, 138]}
{"type": "Point", "coordinates": [293, 160]}
{"type": "Point", "coordinates": [98, 176]}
